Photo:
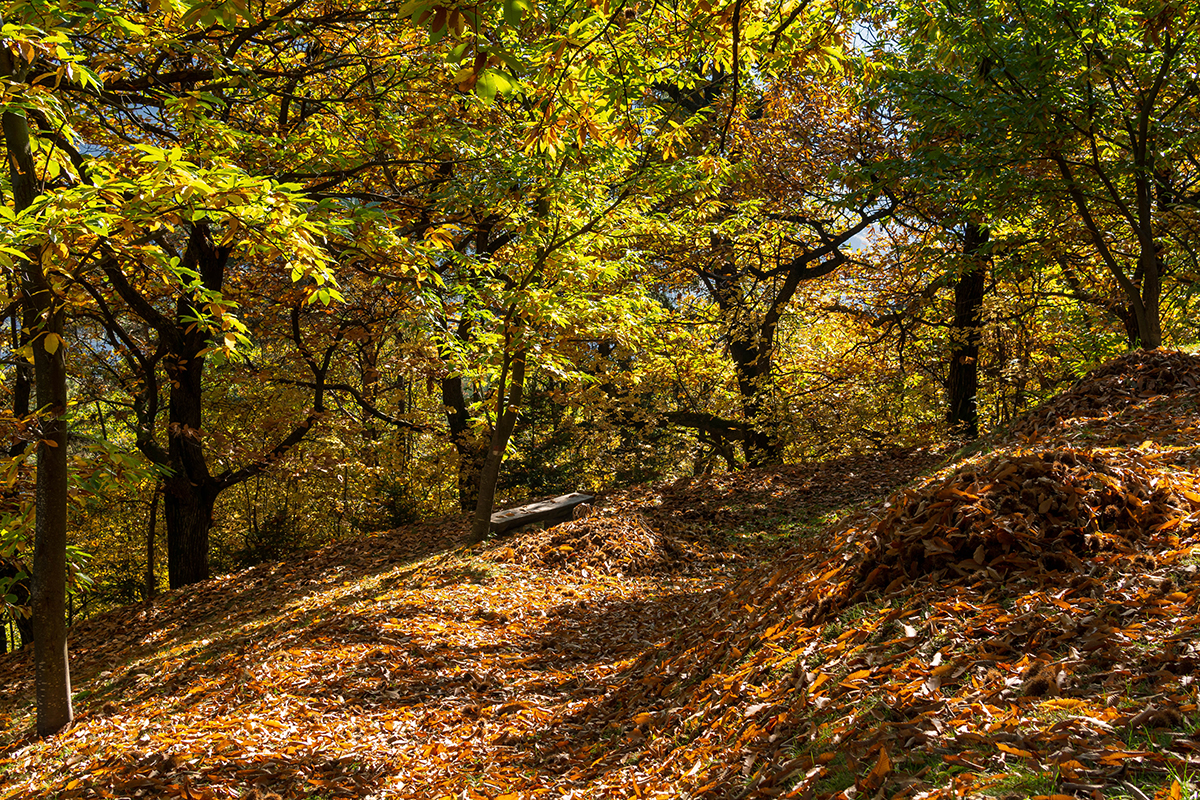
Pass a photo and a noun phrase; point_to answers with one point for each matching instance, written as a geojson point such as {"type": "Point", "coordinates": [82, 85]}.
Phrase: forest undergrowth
{"type": "Point", "coordinates": [1021, 621]}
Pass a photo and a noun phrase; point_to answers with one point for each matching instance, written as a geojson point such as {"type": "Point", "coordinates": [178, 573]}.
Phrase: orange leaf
{"type": "Point", "coordinates": [879, 772]}
{"type": "Point", "coordinates": [1118, 756]}
{"type": "Point", "coordinates": [1016, 751]}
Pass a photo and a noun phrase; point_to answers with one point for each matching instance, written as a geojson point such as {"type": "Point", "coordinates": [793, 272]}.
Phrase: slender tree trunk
{"type": "Point", "coordinates": [506, 421]}
{"type": "Point", "coordinates": [48, 590]}
{"type": "Point", "coordinates": [470, 454]}
{"type": "Point", "coordinates": [23, 373]}
{"type": "Point", "coordinates": [151, 582]}
{"type": "Point", "coordinates": [963, 381]}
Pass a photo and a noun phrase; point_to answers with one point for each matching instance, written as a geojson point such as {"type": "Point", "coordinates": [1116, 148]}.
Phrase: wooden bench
{"type": "Point", "coordinates": [553, 511]}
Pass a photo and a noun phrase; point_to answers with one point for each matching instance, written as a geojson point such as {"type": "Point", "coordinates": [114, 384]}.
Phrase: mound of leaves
{"type": "Point", "coordinates": [608, 543]}
{"type": "Point", "coordinates": [1022, 512]}
{"type": "Point", "coordinates": [1123, 382]}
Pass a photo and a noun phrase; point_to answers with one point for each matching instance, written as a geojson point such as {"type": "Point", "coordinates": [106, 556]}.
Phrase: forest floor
{"type": "Point", "coordinates": [1021, 620]}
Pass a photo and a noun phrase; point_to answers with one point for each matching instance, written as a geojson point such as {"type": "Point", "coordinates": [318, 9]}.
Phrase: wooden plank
{"type": "Point", "coordinates": [556, 509]}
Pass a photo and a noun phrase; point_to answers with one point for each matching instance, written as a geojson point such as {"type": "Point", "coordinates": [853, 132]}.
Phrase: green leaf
{"type": "Point", "coordinates": [492, 82]}
{"type": "Point", "coordinates": [513, 9]}
{"type": "Point", "coordinates": [455, 56]}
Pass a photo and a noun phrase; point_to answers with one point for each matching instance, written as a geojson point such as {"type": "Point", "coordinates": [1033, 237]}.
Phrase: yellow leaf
{"type": "Point", "coordinates": [1064, 702]}
{"type": "Point", "coordinates": [52, 342]}
{"type": "Point", "coordinates": [643, 718]}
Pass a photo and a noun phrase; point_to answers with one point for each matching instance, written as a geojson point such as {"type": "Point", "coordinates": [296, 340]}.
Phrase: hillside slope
{"type": "Point", "coordinates": [1023, 622]}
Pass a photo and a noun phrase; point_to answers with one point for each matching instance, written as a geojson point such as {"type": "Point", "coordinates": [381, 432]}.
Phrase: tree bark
{"type": "Point", "coordinates": [506, 420]}
{"type": "Point", "coordinates": [48, 594]}
{"type": "Point", "coordinates": [751, 354]}
{"type": "Point", "coordinates": [962, 385]}
{"type": "Point", "coordinates": [190, 492]}
{"type": "Point", "coordinates": [471, 455]}
{"type": "Point", "coordinates": [48, 590]}
{"type": "Point", "coordinates": [151, 582]}
{"type": "Point", "coordinates": [187, 510]}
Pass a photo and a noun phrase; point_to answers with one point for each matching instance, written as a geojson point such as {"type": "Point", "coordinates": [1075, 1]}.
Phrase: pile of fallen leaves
{"type": "Point", "coordinates": [604, 543]}
{"type": "Point", "coordinates": [1137, 381]}
{"type": "Point", "coordinates": [1043, 511]}
{"type": "Point", "coordinates": [1024, 623]}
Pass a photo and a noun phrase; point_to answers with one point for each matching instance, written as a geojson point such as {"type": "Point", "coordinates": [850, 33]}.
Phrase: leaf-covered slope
{"type": "Point", "coordinates": [1023, 623]}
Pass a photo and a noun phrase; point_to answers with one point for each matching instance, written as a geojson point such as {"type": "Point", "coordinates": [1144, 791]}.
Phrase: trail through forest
{"type": "Point", "coordinates": [1020, 621]}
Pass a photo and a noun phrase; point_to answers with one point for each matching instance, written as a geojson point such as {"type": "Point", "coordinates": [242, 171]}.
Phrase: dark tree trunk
{"type": "Point", "coordinates": [752, 363]}
{"type": "Point", "coordinates": [48, 590]}
{"type": "Point", "coordinates": [506, 420]}
{"type": "Point", "coordinates": [188, 511]}
{"type": "Point", "coordinates": [471, 454]}
{"type": "Point", "coordinates": [962, 384]}
{"type": "Point", "coordinates": [48, 593]}
{"type": "Point", "coordinates": [188, 493]}
{"type": "Point", "coordinates": [151, 582]}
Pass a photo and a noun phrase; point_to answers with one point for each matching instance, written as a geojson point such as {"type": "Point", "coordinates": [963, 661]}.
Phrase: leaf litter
{"type": "Point", "coordinates": [1023, 622]}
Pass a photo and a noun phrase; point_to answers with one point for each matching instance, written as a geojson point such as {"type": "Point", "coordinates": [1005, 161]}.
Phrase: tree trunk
{"type": "Point", "coordinates": [188, 511]}
{"type": "Point", "coordinates": [190, 492]}
{"type": "Point", "coordinates": [962, 384]}
{"type": "Point", "coordinates": [752, 363]}
{"type": "Point", "coordinates": [506, 421]}
{"type": "Point", "coordinates": [48, 590]}
{"type": "Point", "coordinates": [1150, 318]}
{"type": "Point", "coordinates": [471, 455]}
{"type": "Point", "coordinates": [151, 582]}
